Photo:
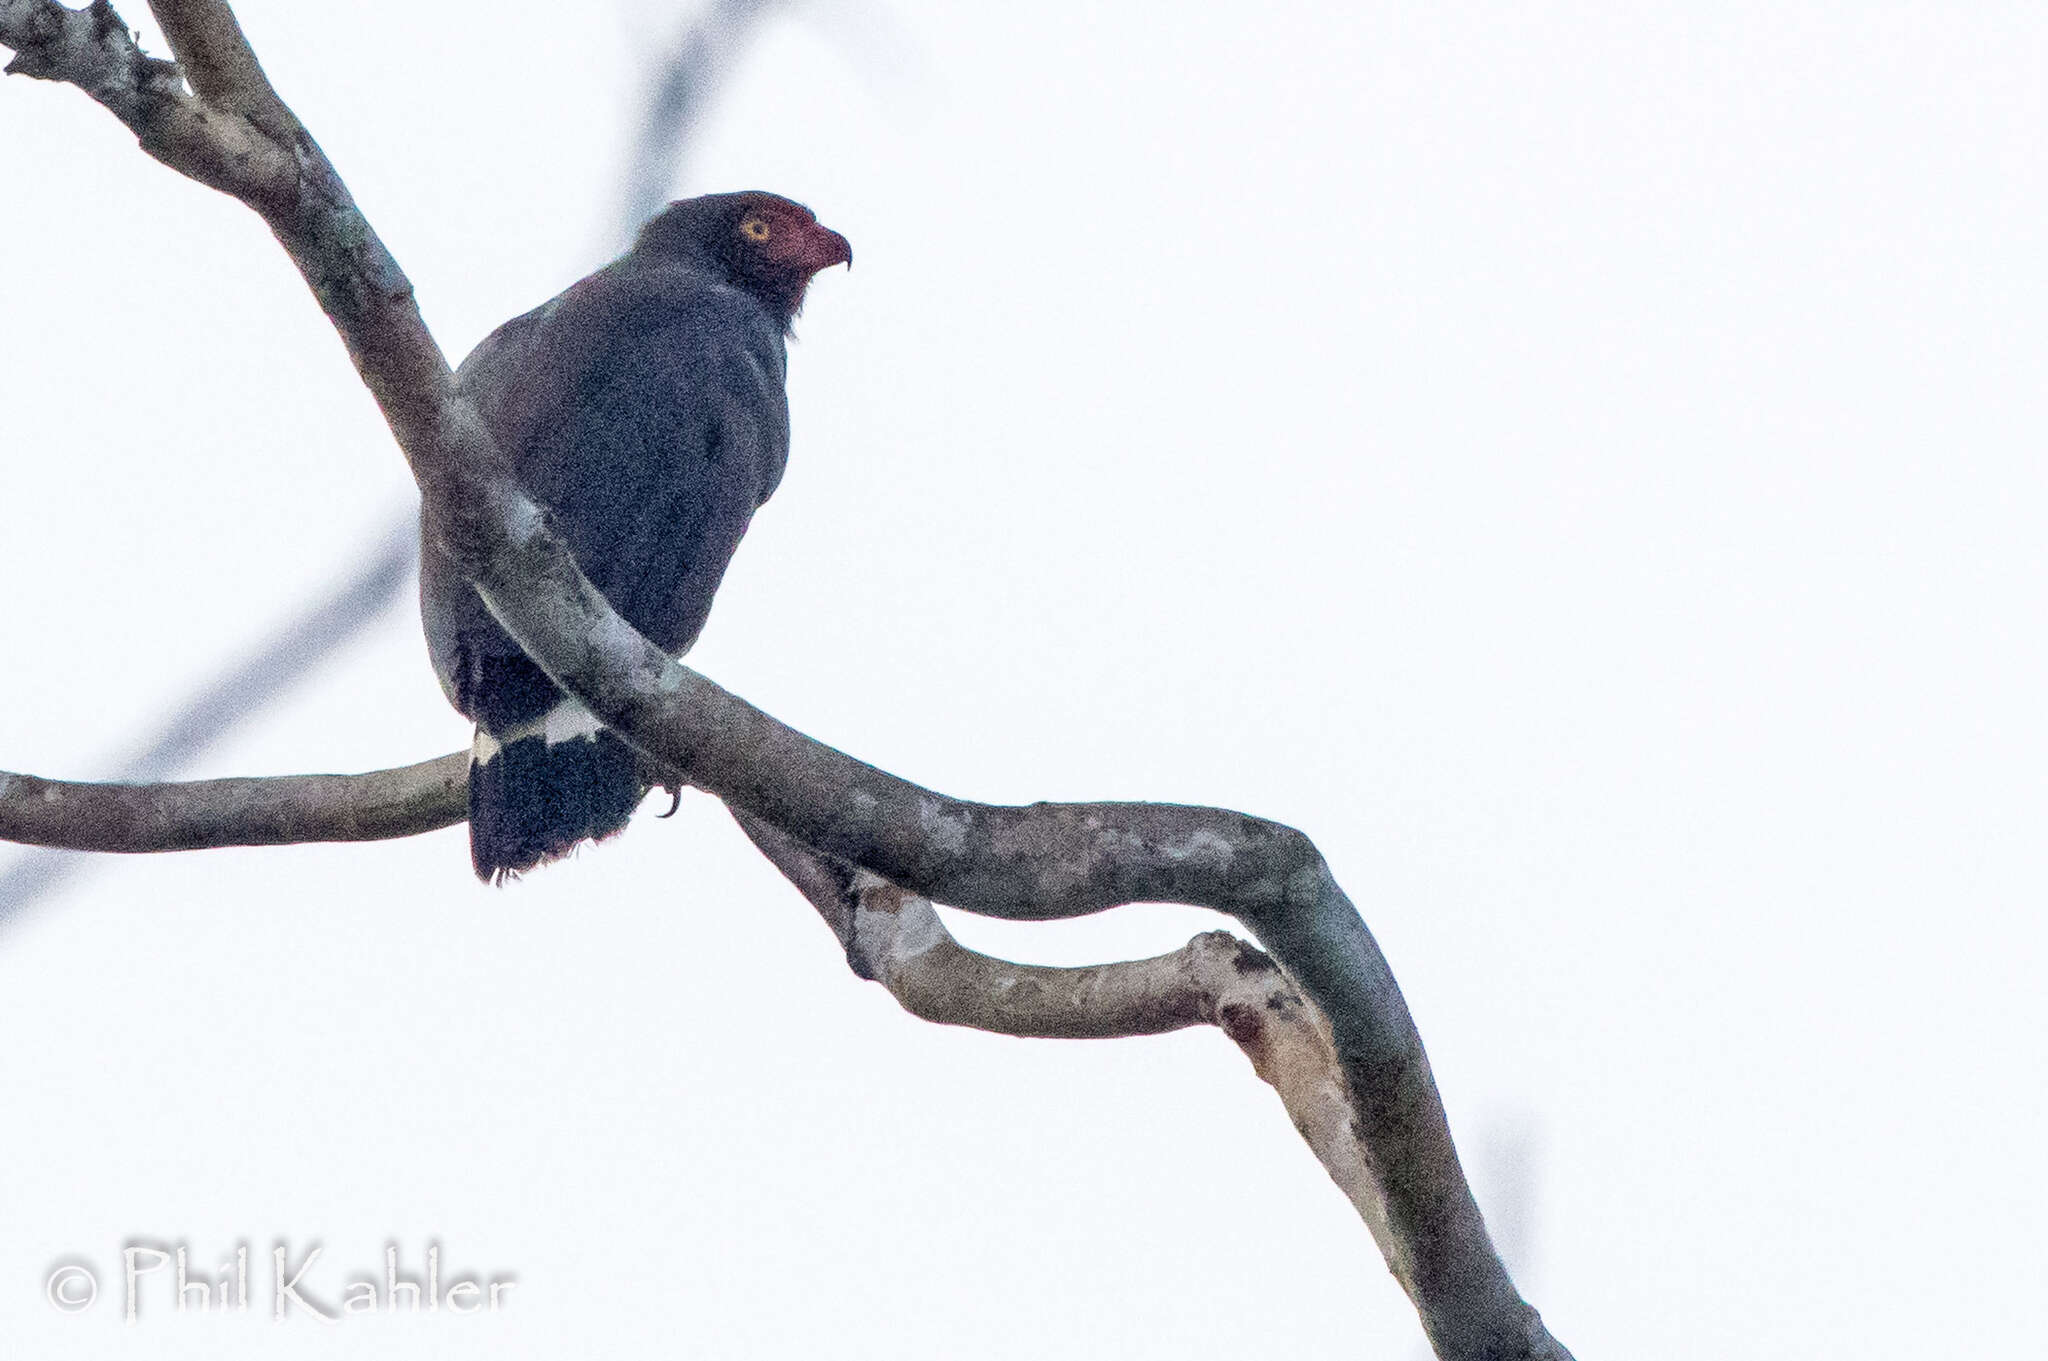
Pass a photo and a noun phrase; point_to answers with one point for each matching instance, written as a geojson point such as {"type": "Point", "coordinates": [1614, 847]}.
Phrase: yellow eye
{"type": "Point", "coordinates": [754, 229]}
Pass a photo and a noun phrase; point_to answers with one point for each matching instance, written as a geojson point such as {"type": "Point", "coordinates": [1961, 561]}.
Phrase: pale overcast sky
{"type": "Point", "coordinates": [1580, 463]}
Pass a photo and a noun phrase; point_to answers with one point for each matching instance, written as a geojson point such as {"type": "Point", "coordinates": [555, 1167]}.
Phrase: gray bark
{"type": "Point", "coordinates": [231, 131]}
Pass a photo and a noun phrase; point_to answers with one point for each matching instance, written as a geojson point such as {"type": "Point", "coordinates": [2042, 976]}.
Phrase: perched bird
{"type": "Point", "coordinates": [644, 409]}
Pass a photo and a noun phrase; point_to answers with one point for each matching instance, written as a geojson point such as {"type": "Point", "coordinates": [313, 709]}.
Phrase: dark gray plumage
{"type": "Point", "coordinates": [644, 409]}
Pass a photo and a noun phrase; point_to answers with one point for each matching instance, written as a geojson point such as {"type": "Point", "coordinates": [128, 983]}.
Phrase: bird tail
{"type": "Point", "coordinates": [537, 791]}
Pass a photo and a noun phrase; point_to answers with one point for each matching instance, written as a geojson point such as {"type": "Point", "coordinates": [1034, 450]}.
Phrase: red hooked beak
{"type": "Point", "coordinates": [824, 248]}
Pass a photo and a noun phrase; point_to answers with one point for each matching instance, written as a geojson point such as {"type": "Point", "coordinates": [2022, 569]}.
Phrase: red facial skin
{"type": "Point", "coordinates": [774, 245]}
{"type": "Point", "coordinates": [796, 241]}
{"type": "Point", "coordinates": [765, 243]}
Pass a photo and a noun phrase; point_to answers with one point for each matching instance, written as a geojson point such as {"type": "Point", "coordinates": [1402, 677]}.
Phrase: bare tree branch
{"type": "Point", "coordinates": [890, 936]}
{"type": "Point", "coordinates": [896, 939]}
{"type": "Point", "coordinates": [244, 691]}
{"type": "Point", "coordinates": [1036, 862]}
{"type": "Point", "coordinates": [682, 86]}
{"type": "Point", "coordinates": [278, 810]}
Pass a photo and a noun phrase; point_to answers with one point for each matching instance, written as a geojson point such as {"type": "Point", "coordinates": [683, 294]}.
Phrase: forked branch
{"type": "Point", "coordinates": [231, 131]}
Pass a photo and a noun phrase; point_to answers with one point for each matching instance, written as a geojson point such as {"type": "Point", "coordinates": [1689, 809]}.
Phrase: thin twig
{"type": "Point", "coordinates": [682, 87]}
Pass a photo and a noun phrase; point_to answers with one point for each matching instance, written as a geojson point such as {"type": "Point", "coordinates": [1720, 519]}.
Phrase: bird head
{"type": "Point", "coordinates": [765, 244]}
